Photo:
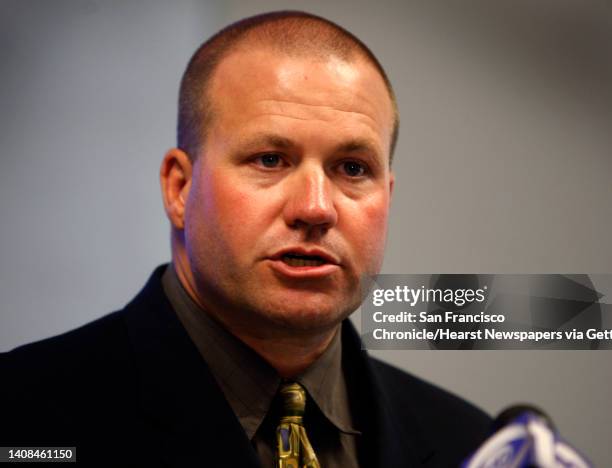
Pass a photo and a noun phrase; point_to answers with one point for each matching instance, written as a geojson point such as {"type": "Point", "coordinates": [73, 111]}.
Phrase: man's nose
{"type": "Point", "coordinates": [310, 200]}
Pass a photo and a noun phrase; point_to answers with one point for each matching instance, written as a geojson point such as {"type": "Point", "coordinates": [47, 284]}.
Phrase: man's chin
{"type": "Point", "coordinates": [306, 317]}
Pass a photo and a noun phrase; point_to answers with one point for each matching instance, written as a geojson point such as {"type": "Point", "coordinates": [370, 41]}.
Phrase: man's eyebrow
{"type": "Point", "coordinates": [269, 139]}
{"type": "Point", "coordinates": [358, 145]}
{"type": "Point", "coordinates": [274, 140]}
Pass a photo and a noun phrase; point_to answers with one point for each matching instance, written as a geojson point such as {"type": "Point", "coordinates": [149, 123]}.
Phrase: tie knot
{"type": "Point", "coordinates": [294, 449]}
{"type": "Point", "coordinates": [293, 398]}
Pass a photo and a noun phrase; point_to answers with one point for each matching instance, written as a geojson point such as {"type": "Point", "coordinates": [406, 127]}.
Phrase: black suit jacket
{"type": "Point", "coordinates": [131, 389]}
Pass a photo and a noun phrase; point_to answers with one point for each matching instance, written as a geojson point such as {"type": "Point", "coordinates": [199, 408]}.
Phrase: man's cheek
{"type": "Point", "coordinates": [232, 207]}
{"type": "Point", "coordinates": [371, 215]}
{"type": "Point", "coordinates": [373, 234]}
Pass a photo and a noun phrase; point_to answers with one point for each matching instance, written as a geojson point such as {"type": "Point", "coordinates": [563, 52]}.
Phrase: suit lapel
{"type": "Point", "coordinates": [389, 432]}
{"type": "Point", "coordinates": [190, 421]}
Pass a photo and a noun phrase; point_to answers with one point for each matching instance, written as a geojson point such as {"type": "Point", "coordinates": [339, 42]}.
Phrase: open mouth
{"type": "Point", "coordinates": [296, 260]}
{"type": "Point", "coordinates": [299, 263]}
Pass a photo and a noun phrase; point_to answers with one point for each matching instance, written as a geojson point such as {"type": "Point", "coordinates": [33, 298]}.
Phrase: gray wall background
{"type": "Point", "coordinates": [503, 164]}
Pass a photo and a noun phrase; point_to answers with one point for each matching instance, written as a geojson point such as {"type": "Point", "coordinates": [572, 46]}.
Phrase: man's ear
{"type": "Point", "coordinates": [175, 179]}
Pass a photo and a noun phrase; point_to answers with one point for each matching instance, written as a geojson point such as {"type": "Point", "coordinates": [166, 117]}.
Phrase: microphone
{"type": "Point", "coordinates": [523, 436]}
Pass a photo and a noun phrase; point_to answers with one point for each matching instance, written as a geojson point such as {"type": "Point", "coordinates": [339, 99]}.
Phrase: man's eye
{"type": "Point", "coordinates": [353, 168]}
{"type": "Point", "coordinates": [270, 160]}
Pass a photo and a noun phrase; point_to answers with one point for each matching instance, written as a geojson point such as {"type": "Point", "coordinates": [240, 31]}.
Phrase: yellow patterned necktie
{"type": "Point", "coordinates": [294, 449]}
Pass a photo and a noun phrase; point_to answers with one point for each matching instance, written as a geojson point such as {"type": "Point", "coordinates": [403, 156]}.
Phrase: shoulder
{"type": "Point", "coordinates": [68, 369]}
{"type": "Point", "coordinates": [100, 347]}
{"type": "Point", "coordinates": [404, 388]}
{"type": "Point", "coordinates": [51, 388]}
{"type": "Point", "coordinates": [446, 421]}
{"type": "Point", "coordinates": [95, 344]}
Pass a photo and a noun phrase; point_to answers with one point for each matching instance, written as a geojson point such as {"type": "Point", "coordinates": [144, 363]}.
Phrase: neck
{"type": "Point", "coordinates": [289, 352]}
{"type": "Point", "coordinates": [290, 355]}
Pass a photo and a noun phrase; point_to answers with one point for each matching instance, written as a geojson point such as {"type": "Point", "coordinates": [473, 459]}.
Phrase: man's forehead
{"type": "Point", "coordinates": [319, 84]}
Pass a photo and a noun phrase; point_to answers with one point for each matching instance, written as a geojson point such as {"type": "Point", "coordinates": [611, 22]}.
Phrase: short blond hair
{"type": "Point", "coordinates": [294, 33]}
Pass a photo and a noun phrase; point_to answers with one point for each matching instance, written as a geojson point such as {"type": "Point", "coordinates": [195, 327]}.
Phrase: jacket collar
{"type": "Point", "coordinates": [181, 399]}
{"type": "Point", "coordinates": [178, 394]}
{"type": "Point", "coordinates": [391, 436]}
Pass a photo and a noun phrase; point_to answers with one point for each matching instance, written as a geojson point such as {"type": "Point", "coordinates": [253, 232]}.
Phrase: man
{"type": "Point", "coordinates": [239, 352]}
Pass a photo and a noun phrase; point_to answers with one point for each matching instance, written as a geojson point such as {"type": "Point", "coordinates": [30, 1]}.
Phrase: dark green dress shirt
{"type": "Point", "coordinates": [250, 386]}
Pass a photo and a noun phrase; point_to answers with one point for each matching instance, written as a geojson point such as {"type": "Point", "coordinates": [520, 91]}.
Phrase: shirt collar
{"type": "Point", "coordinates": [248, 382]}
{"type": "Point", "coordinates": [324, 381]}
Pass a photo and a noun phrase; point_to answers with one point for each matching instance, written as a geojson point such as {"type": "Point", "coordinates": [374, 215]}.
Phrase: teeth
{"type": "Point", "coordinates": [301, 262]}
